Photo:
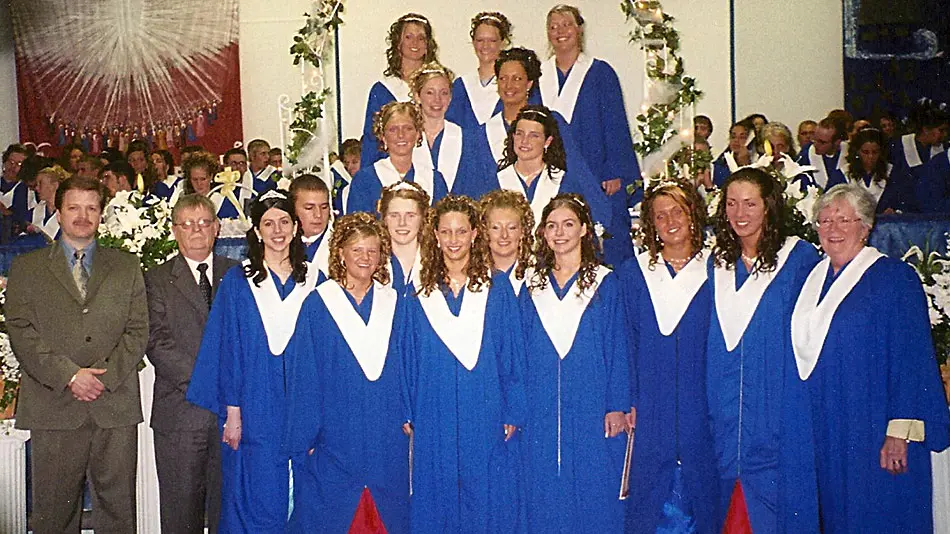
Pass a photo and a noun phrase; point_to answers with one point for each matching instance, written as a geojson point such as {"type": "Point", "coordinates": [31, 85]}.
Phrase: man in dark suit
{"type": "Point", "coordinates": [187, 438]}
{"type": "Point", "coordinates": [78, 322]}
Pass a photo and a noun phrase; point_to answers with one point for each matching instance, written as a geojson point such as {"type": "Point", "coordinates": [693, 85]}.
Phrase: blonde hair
{"type": "Point", "coordinates": [382, 117]}
{"type": "Point", "coordinates": [57, 172]}
{"type": "Point", "coordinates": [504, 199]}
{"type": "Point", "coordinates": [575, 13]}
{"type": "Point", "coordinates": [353, 226]}
{"type": "Point", "coordinates": [426, 72]}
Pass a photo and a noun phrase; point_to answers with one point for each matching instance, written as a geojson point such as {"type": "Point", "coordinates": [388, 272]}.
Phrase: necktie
{"type": "Point", "coordinates": [80, 275]}
{"type": "Point", "coordinates": [203, 283]}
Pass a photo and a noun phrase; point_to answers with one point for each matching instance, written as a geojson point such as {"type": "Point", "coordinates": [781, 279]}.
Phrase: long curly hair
{"type": "Point", "coordinates": [855, 168]}
{"type": "Point", "coordinates": [687, 198]}
{"type": "Point", "coordinates": [504, 199]}
{"type": "Point", "coordinates": [382, 117]}
{"type": "Point", "coordinates": [545, 261]}
{"type": "Point", "coordinates": [554, 156]}
{"type": "Point", "coordinates": [255, 269]}
{"type": "Point", "coordinates": [405, 190]}
{"type": "Point", "coordinates": [197, 160]}
{"type": "Point", "coordinates": [494, 19]}
{"type": "Point", "coordinates": [355, 226]}
{"type": "Point", "coordinates": [728, 248]}
{"type": "Point", "coordinates": [433, 263]}
{"type": "Point", "coordinates": [394, 38]}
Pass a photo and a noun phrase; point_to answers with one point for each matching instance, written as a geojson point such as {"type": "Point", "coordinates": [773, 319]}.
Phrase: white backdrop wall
{"type": "Point", "coordinates": [789, 59]}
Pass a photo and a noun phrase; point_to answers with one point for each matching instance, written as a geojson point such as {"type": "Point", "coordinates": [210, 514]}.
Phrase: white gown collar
{"type": "Point", "coordinates": [388, 175]}
{"type": "Point", "coordinates": [321, 260]}
{"type": "Point", "coordinates": [368, 341]}
{"type": "Point", "coordinates": [736, 308]}
{"type": "Point", "coordinates": [818, 162]}
{"type": "Point", "coordinates": [483, 98]}
{"type": "Point", "coordinates": [50, 227]}
{"type": "Point", "coordinates": [279, 316]}
{"type": "Point", "coordinates": [811, 320]}
{"type": "Point", "coordinates": [548, 186]}
{"type": "Point", "coordinates": [911, 156]}
{"type": "Point", "coordinates": [396, 87]}
{"type": "Point", "coordinates": [730, 161]}
{"type": "Point", "coordinates": [565, 102]}
{"type": "Point", "coordinates": [450, 153]}
{"type": "Point", "coordinates": [7, 198]}
{"type": "Point", "coordinates": [671, 296]}
{"type": "Point", "coordinates": [561, 318]}
{"type": "Point", "coordinates": [496, 132]}
{"type": "Point", "coordinates": [412, 276]}
{"type": "Point", "coordinates": [462, 335]}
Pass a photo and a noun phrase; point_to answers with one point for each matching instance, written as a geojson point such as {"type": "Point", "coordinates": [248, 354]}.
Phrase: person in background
{"type": "Point", "coordinates": [736, 155]}
{"type": "Point", "coordinates": [89, 167]}
{"type": "Point", "coordinates": [828, 153]}
{"type": "Point", "coordinates": [859, 124]}
{"type": "Point", "coordinates": [910, 152]}
{"type": "Point", "coordinates": [72, 155]}
{"type": "Point", "coordinates": [311, 199]}
{"type": "Point", "coordinates": [165, 179]}
{"type": "Point", "coordinates": [891, 189]}
{"type": "Point", "coordinates": [117, 176]}
{"type": "Point", "coordinates": [889, 125]}
{"type": "Point", "coordinates": [43, 217]}
{"type": "Point", "coordinates": [13, 192]}
{"type": "Point", "coordinates": [260, 176]}
{"type": "Point", "coordinates": [343, 170]}
{"type": "Point", "coordinates": [702, 128]}
{"type": "Point", "coordinates": [475, 95]}
{"type": "Point", "coordinates": [275, 158]}
{"type": "Point", "coordinates": [806, 133]}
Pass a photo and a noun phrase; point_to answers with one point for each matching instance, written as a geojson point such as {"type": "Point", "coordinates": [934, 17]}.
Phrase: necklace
{"type": "Point", "coordinates": [749, 260]}
{"type": "Point", "coordinates": [677, 262]}
{"type": "Point", "coordinates": [455, 285]}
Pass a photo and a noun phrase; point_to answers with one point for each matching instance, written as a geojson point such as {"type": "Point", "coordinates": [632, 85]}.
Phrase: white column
{"type": "Point", "coordinates": [12, 477]}
{"type": "Point", "coordinates": [146, 481]}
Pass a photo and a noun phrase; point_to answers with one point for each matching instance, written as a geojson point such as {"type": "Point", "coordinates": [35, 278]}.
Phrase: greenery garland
{"type": "Point", "coordinates": [654, 32]}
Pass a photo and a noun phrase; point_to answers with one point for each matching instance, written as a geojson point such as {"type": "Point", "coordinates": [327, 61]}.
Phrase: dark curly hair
{"type": "Point", "coordinates": [504, 199]}
{"type": "Point", "coordinates": [555, 156]}
{"type": "Point", "coordinates": [394, 38]}
{"type": "Point", "coordinates": [686, 197]}
{"type": "Point", "coordinates": [433, 263]}
{"type": "Point", "coordinates": [255, 269]}
{"type": "Point", "coordinates": [528, 59]}
{"type": "Point", "coordinates": [728, 248]}
{"type": "Point", "coordinates": [545, 262]}
{"type": "Point", "coordinates": [354, 226]}
{"type": "Point", "coordinates": [382, 117]}
{"type": "Point", "coordinates": [855, 169]}
{"type": "Point", "coordinates": [495, 19]}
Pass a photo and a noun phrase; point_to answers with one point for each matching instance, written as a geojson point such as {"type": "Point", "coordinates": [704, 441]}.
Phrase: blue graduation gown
{"type": "Point", "coordinates": [164, 191]}
{"type": "Point", "coordinates": [835, 176]}
{"type": "Point", "coordinates": [898, 156]}
{"type": "Point", "coordinates": [379, 96]}
{"type": "Point", "coordinates": [460, 109]}
{"type": "Point", "coordinates": [20, 211]}
{"type": "Point", "coordinates": [773, 455]}
{"type": "Point", "coordinates": [235, 367]}
{"type": "Point", "coordinates": [672, 420]}
{"type": "Point", "coordinates": [466, 476]}
{"type": "Point", "coordinates": [933, 186]}
{"type": "Point", "coordinates": [877, 363]}
{"type": "Point", "coordinates": [366, 189]}
{"type": "Point", "coordinates": [353, 424]}
{"type": "Point", "coordinates": [340, 184]}
{"type": "Point", "coordinates": [601, 130]}
{"type": "Point", "coordinates": [398, 279]}
{"type": "Point", "coordinates": [572, 472]}
{"type": "Point", "coordinates": [468, 159]}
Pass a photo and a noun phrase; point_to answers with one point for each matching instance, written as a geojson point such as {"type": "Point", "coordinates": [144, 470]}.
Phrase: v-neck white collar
{"type": "Point", "coordinates": [811, 320]}
{"type": "Point", "coordinates": [369, 342]}
{"type": "Point", "coordinates": [562, 318]}
{"type": "Point", "coordinates": [388, 175]}
{"type": "Point", "coordinates": [321, 259]}
{"type": "Point", "coordinates": [397, 87]}
{"type": "Point", "coordinates": [279, 316]}
{"type": "Point", "coordinates": [483, 98]}
{"type": "Point", "coordinates": [549, 183]}
{"type": "Point", "coordinates": [565, 102]}
{"type": "Point", "coordinates": [450, 153]}
{"type": "Point", "coordinates": [50, 227]}
{"type": "Point", "coordinates": [462, 335]}
{"type": "Point", "coordinates": [496, 132]}
{"type": "Point", "coordinates": [818, 162]}
{"type": "Point", "coordinates": [671, 296]}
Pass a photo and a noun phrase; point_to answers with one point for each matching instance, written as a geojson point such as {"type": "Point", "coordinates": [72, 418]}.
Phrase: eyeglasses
{"type": "Point", "coordinates": [840, 222]}
{"type": "Point", "coordinates": [200, 224]}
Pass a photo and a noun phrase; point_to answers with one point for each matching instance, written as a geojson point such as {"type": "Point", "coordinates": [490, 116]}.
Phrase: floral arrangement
{"type": "Point", "coordinates": [306, 121]}
{"type": "Point", "coordinates": [933, 268]}
{"type": "Point", "coordinates": [140, 227]}
{"type": "Point", "coordinates": [658, 38]}
{"type": "Point", "coordinates": [9, 366]}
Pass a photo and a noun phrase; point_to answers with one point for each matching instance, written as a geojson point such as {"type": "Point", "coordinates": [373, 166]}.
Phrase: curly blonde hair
{"type": "Point", "coordinates": [393, 39]}
{"type": "Point", "coordinates": [544, 255]}
{"type": "Point", "coordinates": [504, 199]}
{"type": "Point", "coordinates": [687, 198]}
{"type": "Point", "coordinates": [56, 171]}
{"type": "Point", "coordinates": [405, 190]}
{"type": "Point", "coordinates": [426, 72]}
{"type": "Point", "coordinates": [354, 226]}
{"type": "Point", "coordinates": [382, 117]}
{"type": "Point", "coordinates": [434, 272]}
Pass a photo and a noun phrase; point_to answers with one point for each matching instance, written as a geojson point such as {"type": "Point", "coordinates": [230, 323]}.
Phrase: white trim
{"type": "Point", "coordinates": [7, 198]}
{"type": "Point", "coordinates": [50, 227]}
{"type": "Point", "coordinates": [561, 318]}
{"type": "Point", "coordinates": [411, 276]}
{"type": "Point", "coordinates": [516, 284]}
{"type": "Point", "coordinates": [671, 296]}
{"type": "Point", "coordinates": [731, 161]}
{"type": "Point", "coordinates": [811, 320]}
{"type": "Point", "coordinates": [483, 98]}
{"type": "Point", "coordinates": [548, 186]}
{"type": "Point", "coordinates": [462, 335]}
{"type": "Point", "coordinates": [369, 342]}
{"type": "Point", "coordinates": [279, 316]}
{"type": "Point", "coordinates": [565, 102]}
{"type": "Point", "coordinates": [387, 175]}
{"type": "Point", "coordinates": [340, 168]}
{"type": "Point", "coordinates": [450, 153]}
{"type": "Point", "coordinates": [818, 162]}
{"type": "Point", "coordinates": [397, 87]}
{"type": "Point", "coordinates": [321, 258]}
{"type": "Point", "coordinates": [496, 133]}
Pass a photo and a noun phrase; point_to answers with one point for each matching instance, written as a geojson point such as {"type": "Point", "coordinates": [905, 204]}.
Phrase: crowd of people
{"type": "Point", "coordinates": [458, 320]}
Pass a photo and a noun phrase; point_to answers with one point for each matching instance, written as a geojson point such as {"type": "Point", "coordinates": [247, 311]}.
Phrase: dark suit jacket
{"type": "Point", "coordinates": [177, 316]}
{"type": "Point", "coordinates": [54, 332]}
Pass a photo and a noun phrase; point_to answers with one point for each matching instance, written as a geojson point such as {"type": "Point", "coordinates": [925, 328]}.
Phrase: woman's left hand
{"type": "Point", "coordinates": [611, 186]}
{"type": "Point", "coordinates": [510, 431]}
{"type": "Point", "coordinates": [614, 424]}
{"type": "Point", "coordinates": [894, 455]}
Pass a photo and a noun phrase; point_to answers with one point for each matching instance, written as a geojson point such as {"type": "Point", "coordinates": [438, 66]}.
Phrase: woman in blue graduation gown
{"type": "Point", "coordinates": [464, 377]}
{"type": "Point", "coordinates": [345, 390]}
{"type": "Point", "coordinates": [448, 147]}
{"type": "Point", "coordinates": [410, 44]}
{"type": "Point", "coordinates": [509, 224]}
{"type": "Point", "coordinates": [862, 342]}
{"type": "Point", "coordinates": [165, 179]}
{"type": "Point", "coordinates": [586, 92]}
{"type": "Point", "coordinates": [475, 95]}
{"type": "Point", "coordinates": [402, 208]}
{"type": "Point", "coordinates": [199, 170]}
{"type": "Point", "coordinates": [577, 378]}
{"type": "Point", "coordinates": [398, 128]}
{"type": "Point", "coordinates": [892, 189]}
{"type": "Point", "coordinates": [240, 373]}
{"type": "Point", "coordinates": [737, 155]}
{"type": "Point", "coordinates": [42, 217]}
{"type": "Point", "coordinates": [536, 165]}
{"type": "Point", "coordinates": [668, 302]}
{"type": "Point", "coordinates": [758, 407]}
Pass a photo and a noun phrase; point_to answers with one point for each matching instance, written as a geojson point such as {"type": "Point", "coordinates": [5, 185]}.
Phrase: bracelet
{"type": "Point", "coordinates": [73, 379]}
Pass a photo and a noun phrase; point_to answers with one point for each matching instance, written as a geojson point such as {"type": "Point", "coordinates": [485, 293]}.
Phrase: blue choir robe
{"type": "Point", "coordinates": [577, 372]}
{"type": "Point", "coordinates": [909, 156]}
{"type": "Point", "coordinates": [894, 192]}
{"type": "Point", "coordinates": [590, 99]}
{"type": "Point", "coordinates": [933, 186]}
{"type": "Point", "coordinates": [317, 250]}
{"type": "Point", "coordinates": [757, 404]}
{"type": "Point", "coordinates": [45, 220]}
{"type": "Point", "coordinates": [829, 170]}
{"type": "Point", "coordinates": [223, 206]}
{"type": "Point", "coordinates": [473, 103]}
{"type": "Point", "coordinates": [723, 167]}
{"type": "Point", "coordinates": [368, 184]}
{"type": "Point", "coordinates": [345, 398]}
{"type": "Point", "coordinates": [256, 184]}
{"type": "Point", "coordinates": [164, 189]}
{"type": "Point", "coordinates": [455, 153]}
{"type": "Point", "coordinates": [464, 379]}
{"type": "Point", "coordinates": [402, 280]}
{"type": "Point", "coordinates": [241, 363]}
{"type": "Point", "coordinates": [14, 196]}
{"type": "Point", "coordinates": [341, 183]}
{"type": "Point", "coordinates": [874, 363]}
{"type": "Point", "coordinates": [668, 326]}
{"type": "Point", "coordinates": [388, 89]}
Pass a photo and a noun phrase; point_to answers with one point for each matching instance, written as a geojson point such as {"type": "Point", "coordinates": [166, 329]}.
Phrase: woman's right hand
{"type": "Point", "coordinates": [407, 429]}
{"type": "Point", "coordinates": [232, 428]}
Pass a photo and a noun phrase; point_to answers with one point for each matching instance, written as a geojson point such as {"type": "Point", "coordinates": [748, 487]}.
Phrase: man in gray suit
{"type": "Point", "coordinates": [187, 438]}
{"type": "Point", "coordinates": [78, 323]}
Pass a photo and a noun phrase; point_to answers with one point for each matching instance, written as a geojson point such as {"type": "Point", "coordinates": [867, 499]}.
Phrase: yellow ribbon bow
{"type": "Point", "coordinates": [228, 181]}
{"type": "Point", "coordinates": [140, 183]}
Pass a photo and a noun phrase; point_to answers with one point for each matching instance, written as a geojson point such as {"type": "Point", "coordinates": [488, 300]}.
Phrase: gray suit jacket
{"type": "Point", "coordinates": [177, 316]}
{"type": "Point", "coordinates": [54, 332]}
